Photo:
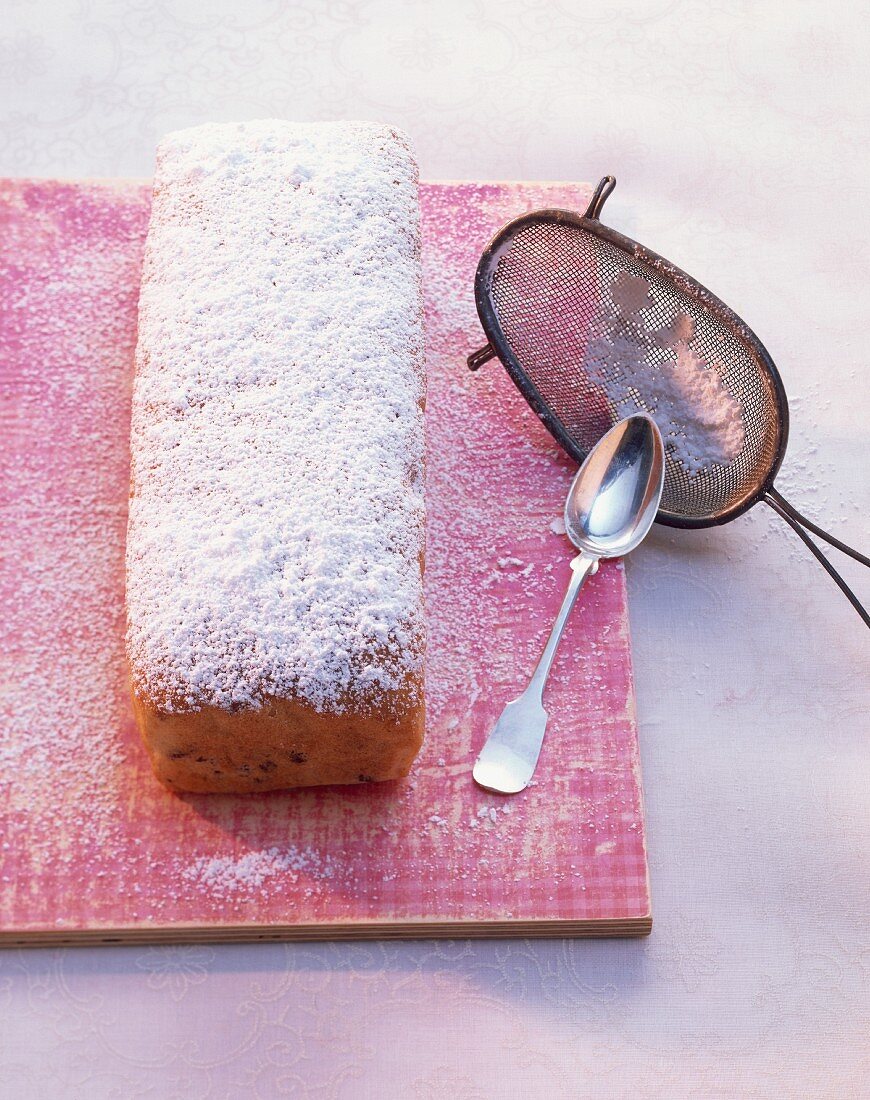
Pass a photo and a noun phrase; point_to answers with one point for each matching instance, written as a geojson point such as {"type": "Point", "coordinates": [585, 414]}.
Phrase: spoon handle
{"type": "Point", "coordinates": [507, 761]}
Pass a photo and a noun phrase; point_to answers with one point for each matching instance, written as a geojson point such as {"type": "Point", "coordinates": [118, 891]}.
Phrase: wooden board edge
{"type": "Point", "coordinates": [412, 930]}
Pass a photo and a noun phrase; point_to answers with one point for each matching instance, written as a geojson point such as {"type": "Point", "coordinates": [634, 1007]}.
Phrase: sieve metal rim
{"type": "Point", "coordinates": [499, 346]}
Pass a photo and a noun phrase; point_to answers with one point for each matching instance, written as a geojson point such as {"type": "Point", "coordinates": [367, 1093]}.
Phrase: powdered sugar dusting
{"type": "Point", "coordinates": [699, 418]}
{"type": "Point", "coordinates": [276, 522]}
{"type": "Point", "coordinates": [224, 876]}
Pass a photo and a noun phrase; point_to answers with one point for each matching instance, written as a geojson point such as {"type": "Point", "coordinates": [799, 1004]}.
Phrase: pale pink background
{"type": "Point", "coordinates": [738, 134]}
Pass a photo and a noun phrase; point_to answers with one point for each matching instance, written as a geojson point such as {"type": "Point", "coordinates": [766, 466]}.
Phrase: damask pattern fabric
{"type": "Point", "coordinates": [738, 133]}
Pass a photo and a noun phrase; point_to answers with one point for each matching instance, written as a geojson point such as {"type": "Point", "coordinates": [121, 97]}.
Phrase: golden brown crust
{"type": "Point", "coordinates": [282, 744]}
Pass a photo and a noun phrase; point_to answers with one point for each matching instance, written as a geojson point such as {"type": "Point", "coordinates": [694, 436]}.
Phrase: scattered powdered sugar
{"type": "Point", "coordinates": [69, 264]}
{"type": "Point", "coordinates": [507, 562]}
{"type": "Point", "coordinates": [488, 815]}
{"type": "Point", "coordinates": [699, 418]}
{"type": "Point", "coordinates": [276, 521]}
{"type": "Point", "coordinates": [224, 876]}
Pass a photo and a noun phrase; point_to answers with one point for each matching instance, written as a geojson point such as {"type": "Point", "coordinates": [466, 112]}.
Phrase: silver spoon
{"type": "Point", "coordinates": [611, 506]}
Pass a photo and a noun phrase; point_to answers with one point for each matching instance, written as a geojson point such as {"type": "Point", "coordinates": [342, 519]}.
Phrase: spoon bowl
{"type": "Point", "coordinates": [613, 499]}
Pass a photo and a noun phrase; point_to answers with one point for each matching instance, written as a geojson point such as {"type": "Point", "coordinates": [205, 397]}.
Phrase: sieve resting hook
{"type": "Point", "coordinates": [483, 355]}
{"type": "Point", "coordinates": [599, 197]}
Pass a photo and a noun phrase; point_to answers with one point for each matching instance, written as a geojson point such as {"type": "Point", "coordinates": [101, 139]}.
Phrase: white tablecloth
{"type": "Point", "coordinates": [738, 133]}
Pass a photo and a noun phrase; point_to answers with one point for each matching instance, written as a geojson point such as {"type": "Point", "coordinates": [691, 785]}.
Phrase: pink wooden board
{"type": "Point", "coordinates": [92, 847]}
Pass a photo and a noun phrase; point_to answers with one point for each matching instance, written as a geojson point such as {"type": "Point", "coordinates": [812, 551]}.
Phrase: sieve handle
{"type": "Point", "coordinates": [798, 523]}
{"type": "Point", "coordinates": [508, 760]}
{"type": "Point", "coordinates": [777, 500]}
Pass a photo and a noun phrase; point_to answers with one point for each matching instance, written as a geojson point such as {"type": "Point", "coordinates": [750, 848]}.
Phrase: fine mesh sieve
{"type": "Point", "coordinates": [592, 326]}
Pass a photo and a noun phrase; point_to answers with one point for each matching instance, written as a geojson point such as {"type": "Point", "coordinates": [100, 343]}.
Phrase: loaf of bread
{"type": "Point", "coordinates": [275, 626]}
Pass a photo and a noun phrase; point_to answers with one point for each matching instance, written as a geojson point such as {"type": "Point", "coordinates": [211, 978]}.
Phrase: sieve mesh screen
{"type": "Point", "coordinates": [551, 285]}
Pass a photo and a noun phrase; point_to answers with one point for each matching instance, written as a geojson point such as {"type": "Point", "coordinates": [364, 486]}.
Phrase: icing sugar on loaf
{"type": "Point", "coordinates": [276, 518]}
